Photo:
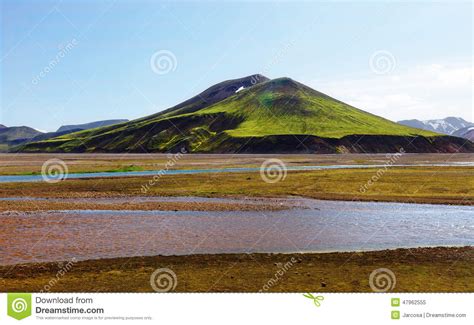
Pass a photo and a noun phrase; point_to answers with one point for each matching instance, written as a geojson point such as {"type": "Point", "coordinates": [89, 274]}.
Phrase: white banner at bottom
{"type": "Point", "coordinates": [235, 308]}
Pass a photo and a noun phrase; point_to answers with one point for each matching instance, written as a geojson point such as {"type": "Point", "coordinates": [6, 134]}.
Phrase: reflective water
{"type": "Point", "coordinates": [316, 227]}
{"type": "Point", "coordinates": [37, 178]}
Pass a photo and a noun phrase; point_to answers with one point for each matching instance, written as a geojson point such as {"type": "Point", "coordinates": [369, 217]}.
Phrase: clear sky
{"type": "Point", "coordinates": [69, 62]}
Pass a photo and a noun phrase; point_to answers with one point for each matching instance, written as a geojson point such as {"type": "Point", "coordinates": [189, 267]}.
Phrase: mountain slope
{"type": "Point", "coordinates": [90, 125]}
{"type": "Point", "coordinates": [21, 135]}
{"type": "Point", "coordinates": [211, 95]}
{"type": "Point", "coordinates": [15, 135]}
{"type": "Point", "coordinates": [49, 135]}
{"type": "Point", "coordinates": [17, 132]}
{"type": "Point", "coordinates": [254, 114]}
{"type": "Point", "coordinates": [466, 133]}
{"type": "Point", "coordinates": [448, 125]}
{"type": "Point", "coordinates": [283, 107]}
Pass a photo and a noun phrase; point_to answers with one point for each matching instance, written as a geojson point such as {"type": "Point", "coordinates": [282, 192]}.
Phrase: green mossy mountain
{"type": "Point", "coordinates": [255, 114]}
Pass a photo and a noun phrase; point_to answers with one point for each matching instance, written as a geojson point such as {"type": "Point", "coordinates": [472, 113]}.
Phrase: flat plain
{"type": "Point", "coordinates": [415, 178]}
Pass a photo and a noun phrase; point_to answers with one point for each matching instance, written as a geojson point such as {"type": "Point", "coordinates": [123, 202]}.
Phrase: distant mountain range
{"type": "Point", "coordinates": [255, 115]}
{"type": "Point", "coordinates": [448, 125]}
{"type": "Point", "coordinates": [20, 135]}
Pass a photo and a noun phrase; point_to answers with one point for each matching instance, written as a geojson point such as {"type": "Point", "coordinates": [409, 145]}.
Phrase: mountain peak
{"type": "Point", "coordinates": [454, 119]}
{"type": "Point", "coordinates": [213, 94]}
{"type": "Point", "coordinates": [286, 85]}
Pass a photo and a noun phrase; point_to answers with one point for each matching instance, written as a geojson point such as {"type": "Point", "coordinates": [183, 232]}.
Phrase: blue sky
{"type": "Point", "coordinates": [68, 62]}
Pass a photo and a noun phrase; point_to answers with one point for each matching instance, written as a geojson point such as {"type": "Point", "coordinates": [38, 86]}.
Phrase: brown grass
{"type": "Point", "coordinates": [416, 270]}
{"type": "Point", "coordinates": [449, 185]}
